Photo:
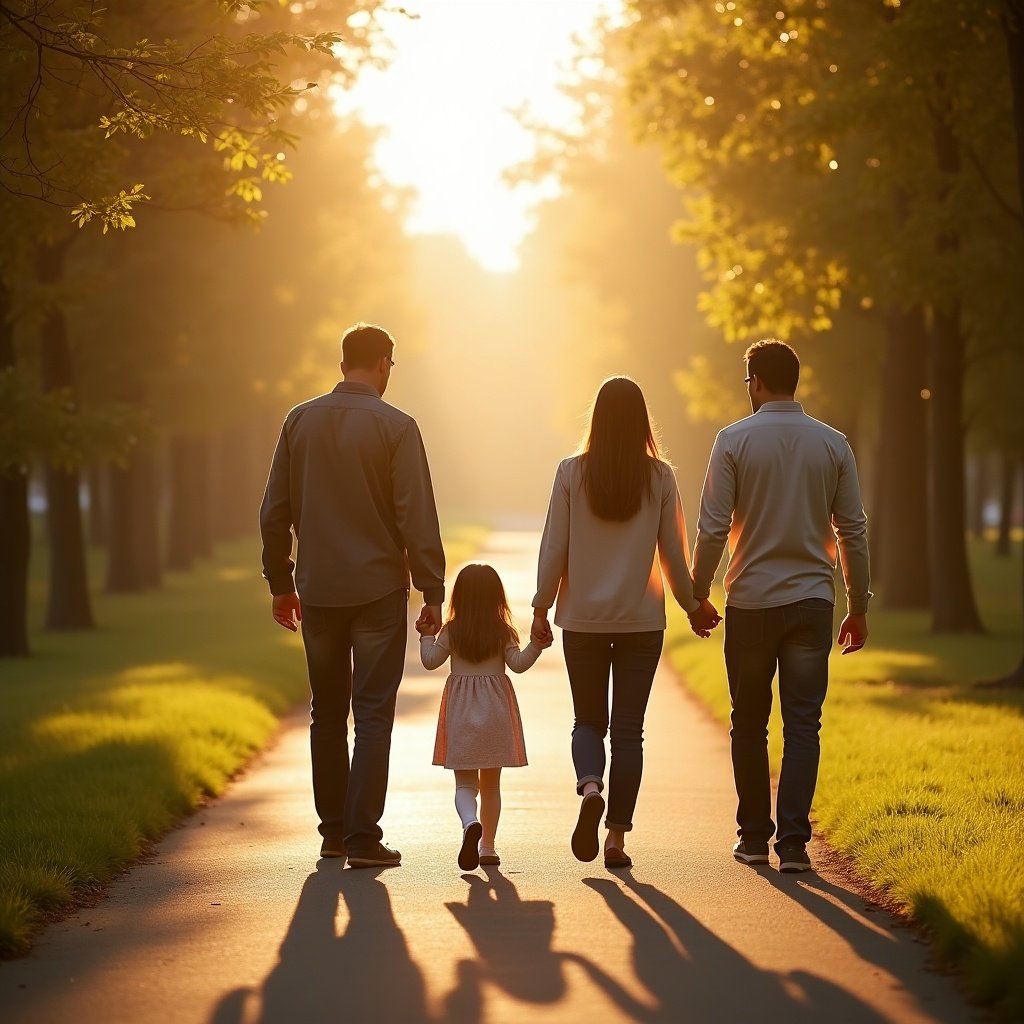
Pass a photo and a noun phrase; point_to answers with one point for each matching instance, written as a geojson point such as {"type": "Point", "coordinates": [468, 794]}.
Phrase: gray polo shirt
{"type": "Point", "coordinates": [782, 489]}
{"type": "Point", "coordinates": [350, 477]}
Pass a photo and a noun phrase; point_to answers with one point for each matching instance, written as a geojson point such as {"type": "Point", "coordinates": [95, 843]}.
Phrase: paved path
{"type": "Point", "coordinates": [234, 921]}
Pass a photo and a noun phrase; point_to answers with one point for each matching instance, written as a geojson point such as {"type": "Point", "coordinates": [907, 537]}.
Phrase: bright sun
{"type": "Point", "coordinates": [446, 101]}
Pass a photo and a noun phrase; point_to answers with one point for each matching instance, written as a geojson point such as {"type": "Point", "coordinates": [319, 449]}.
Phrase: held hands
{"type": "Point", "coordinates": [287, 611]}
{"type": "Point", "coordinates": [540, 632]}
{"type": "Point", "coordinates": [429, 621]}
{"type": "Point", "coordinates": [853, 633]}
{"type": "Point", "coordinates": [704, 618]}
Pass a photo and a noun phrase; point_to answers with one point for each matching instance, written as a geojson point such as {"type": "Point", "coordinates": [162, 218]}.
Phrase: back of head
{"type": "Point", "coordinates": [618, 451]}
{"type": "Point", "coordinates": [479, 619]}
{"type": "Point", "coordinates": [775, 364]}
{"type": "Point", "coordinates": [364, 345]}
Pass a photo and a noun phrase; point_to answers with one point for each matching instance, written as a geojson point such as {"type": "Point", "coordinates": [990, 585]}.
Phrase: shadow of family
{"type": "Point", "coordinates": [677, 968]}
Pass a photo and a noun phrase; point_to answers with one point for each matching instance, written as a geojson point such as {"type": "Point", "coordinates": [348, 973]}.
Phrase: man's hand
{"type": "Point", "coordinates": [287, 611]}
{"type": "Point", "coordinates": [540, 630]}
{"type": "Point", "coordinates": [853, 633]}
{"type": "Point", "coordinates": [704, 618]}
{"type": "Point", "coordinates": [429, 621]}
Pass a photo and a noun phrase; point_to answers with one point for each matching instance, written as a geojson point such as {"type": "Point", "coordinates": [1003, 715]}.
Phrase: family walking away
{"type": "Point", "coordinates": [350, 487]}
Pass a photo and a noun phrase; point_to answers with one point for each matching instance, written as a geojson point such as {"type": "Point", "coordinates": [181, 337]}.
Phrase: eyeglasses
{"type": "Point", "coordinates": [747, 380]}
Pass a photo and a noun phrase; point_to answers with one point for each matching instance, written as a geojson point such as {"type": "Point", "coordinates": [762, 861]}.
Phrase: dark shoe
{"type": "Point", "coordinates": [747, 851]}
{"type": "Point", "coordinates": [615, 858]}
{"type": "Point", "coordinates": [793, 859]}
{"type": "Point", "coordinates": [491, 860]}
{"type": "Point", "coordinates": [585, 844]}
{"type": "Point", "coordinates": [469, 856]}
{"type": "Point", "coordinates": [381, 857]}
{"type": "Point", "coordinates": [332, 848]}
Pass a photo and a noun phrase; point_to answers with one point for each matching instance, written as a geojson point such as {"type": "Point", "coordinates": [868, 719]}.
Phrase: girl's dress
{"type": "Point", "coordinates": [478, 725]}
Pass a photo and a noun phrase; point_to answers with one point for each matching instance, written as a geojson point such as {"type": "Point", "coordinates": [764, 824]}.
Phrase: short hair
{"type": "Point", "coordinates": [362, 345]}
{"type": "Point", "coordinates": [775, 363]}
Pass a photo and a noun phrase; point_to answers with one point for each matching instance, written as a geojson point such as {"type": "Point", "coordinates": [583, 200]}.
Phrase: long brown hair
{"type": "Point", "coordinates": [479, 619]}
{"type": "Point", "coordinates": [619, 452]}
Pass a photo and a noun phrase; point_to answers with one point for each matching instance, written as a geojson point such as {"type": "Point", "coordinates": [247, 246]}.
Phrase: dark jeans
{"type": "Point", "coordinates": [797, 639]}
{"type": "Point", "coordinates": [355, 656]}
{"type": "Point", "coordinates": [631, 660]}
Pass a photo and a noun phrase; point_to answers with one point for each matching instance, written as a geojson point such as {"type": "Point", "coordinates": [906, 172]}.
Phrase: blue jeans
{"type": "Point", "coordinates": [355, 657]}
{"type": "Point", "coordinates": [630, 659]}
{"type": "Point", "coordinates": [795, 639]}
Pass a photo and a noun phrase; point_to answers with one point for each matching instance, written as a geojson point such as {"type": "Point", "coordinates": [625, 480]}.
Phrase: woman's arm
{"type": "Point", "coordinates": [672, 545]}
{"type": "Point", "coordinates": [553, 558]}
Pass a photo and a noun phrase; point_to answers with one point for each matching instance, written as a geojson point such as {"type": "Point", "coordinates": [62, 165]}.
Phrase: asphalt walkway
{"type": "Point", "coordinates": [235, 921]}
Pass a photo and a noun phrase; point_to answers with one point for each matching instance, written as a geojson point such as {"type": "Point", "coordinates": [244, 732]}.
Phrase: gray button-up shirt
{"type": "Point", "coordinates": [782, 488]}
{"type": "Point", "coordinates": [350, 476]}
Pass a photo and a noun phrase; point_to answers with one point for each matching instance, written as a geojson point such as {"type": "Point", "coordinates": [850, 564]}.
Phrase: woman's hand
{"type": "Point", "coordinates": [540, 631]}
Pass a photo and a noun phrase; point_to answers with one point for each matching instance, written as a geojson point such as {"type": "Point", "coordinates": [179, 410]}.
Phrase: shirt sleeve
{"type": "Point", "coordinates": [673, 547]}
{"type": "Point", "coordinates": [851, 526]}
{"type": "Point", "coordinates": [520, 660]}
{"type": "Point", "coordinates": [416, 515]}
{"type": "Point", "coordinates": [434, 651]}
{"type": "Point", "coordinates": [276, 521]}
{"type": "Point", "coordinates": [717, 504]}
{"type": "Point", "coordinates": [553, 559]}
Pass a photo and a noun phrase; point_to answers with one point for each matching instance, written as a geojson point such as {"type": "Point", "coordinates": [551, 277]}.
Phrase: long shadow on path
{"type": "Point", "coordinates": [364, 974]}
{"type": "Point", "coordinates": [691, 974]}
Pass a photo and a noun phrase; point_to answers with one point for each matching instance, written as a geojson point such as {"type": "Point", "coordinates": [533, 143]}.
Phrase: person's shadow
{"type": "Point", "coordinates": [512, 938]}
{"type": "Point", "coordinates": [364, 974]}
{"type": "Point", "coordinates": [691, 974]}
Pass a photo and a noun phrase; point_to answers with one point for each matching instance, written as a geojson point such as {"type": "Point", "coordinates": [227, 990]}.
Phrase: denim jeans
{"type": "Point", "coordinates": [355, 657]}
{"type": "Point", "coordinates": [630, 659]}
{"type": "Point", "coordinates": [795, 639]}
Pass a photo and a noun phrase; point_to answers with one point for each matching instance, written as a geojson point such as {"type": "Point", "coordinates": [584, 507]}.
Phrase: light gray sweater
{"type": "Point", "coordinates": [607, 576]}
{"type": "Point", "coordinates": [782, 489]}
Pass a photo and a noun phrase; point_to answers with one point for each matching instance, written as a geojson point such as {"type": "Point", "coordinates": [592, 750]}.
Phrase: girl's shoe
{"type": "Point", "coordinates": [469, 858]}
{"type": "Point", "coordinates": [489, 858]}
{"type": "Point", "coordinates": [585, 843]}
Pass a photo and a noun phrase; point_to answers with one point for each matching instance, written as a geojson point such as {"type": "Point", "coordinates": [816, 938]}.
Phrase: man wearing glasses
{"type": "Point", "coordinates": [350, 477]}
{"type": "Point", "coordinates": [782, 490]}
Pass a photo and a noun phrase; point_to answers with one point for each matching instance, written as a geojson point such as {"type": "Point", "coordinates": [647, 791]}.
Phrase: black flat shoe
{"type": "Point", "coordinates": [585, 845]}
{"type": "Point", "coordinates": [615, 858]}
{"type": "Point", "coordinates": [469, 856]}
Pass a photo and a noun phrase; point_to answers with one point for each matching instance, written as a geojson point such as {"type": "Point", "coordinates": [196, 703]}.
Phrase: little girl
{"type": "Point", "coordinates": [479, 730]}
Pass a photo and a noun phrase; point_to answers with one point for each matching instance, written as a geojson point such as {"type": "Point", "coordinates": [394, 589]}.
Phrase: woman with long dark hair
{"type": "Point", "coordinates": [614, 525]}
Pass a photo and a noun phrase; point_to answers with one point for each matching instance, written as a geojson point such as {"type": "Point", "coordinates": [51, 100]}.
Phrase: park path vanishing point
{"type": "Point", "coordinates": [235, 921]}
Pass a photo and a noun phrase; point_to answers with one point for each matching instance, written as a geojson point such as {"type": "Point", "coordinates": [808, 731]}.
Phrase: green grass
{"type": "Point", "coordinates": [922, 773]}
{"type": "Point", "coordinates": [109, 737]}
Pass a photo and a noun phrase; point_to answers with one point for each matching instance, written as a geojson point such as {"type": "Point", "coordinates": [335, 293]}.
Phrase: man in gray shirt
{"type": "Point", "coordinates": [350, 477]}
{"type": "Point", "coordinates": [782, 489]}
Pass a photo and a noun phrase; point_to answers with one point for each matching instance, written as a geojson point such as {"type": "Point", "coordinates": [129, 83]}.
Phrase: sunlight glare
{"type": "Point", "coordinates": [446, 103]}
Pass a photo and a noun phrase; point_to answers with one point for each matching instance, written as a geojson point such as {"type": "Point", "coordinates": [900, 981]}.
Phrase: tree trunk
{"type": "Point", "coordinates": [899, 531]}
{"type": "Point", "coordinates": [69, 604]}
{"type": "Point", "coordinates": [980, 485]}
{"type": "Point", "coordinates": [953, 605]}
{"type": "Point", "coordinates": [15, 533]}
{"type": "Point", "coordinates": [134, 562]}
{"type": "Point", "coordinates": [188, 536]}
{"type": "Point", "coordinates": [233, 492]}
{"type": "Point", "coordinates": [1008, 481]}
{"type": "Point", "coordinates": [1013, 27]}
{"type": "Point", "coordinates": [180, 547]}
{"type": "Point", "coordinates": [95, 482]}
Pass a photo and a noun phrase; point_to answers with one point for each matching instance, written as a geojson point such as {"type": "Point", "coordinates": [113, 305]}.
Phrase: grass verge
{"type": "Point", "coordinates": [922, 777]}
{"type": "Point", "coordinates": [109, 737]}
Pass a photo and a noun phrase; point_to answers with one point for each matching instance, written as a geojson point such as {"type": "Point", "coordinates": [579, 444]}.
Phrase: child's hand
{"type": "Point", "coordinates": [426, 628]}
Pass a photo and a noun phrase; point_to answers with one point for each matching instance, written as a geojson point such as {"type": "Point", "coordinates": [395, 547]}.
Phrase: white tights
{"type": "Point", "coordinates": [486, 782]}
